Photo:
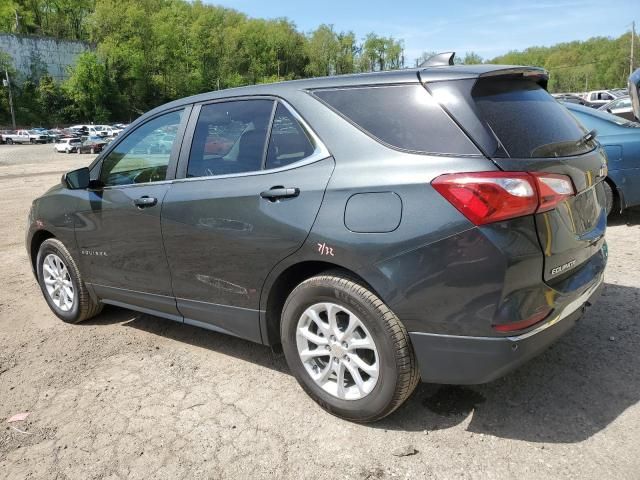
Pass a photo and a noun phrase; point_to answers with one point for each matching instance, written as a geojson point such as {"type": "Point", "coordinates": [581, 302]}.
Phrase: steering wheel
{"type": "Point", "coordinates": [153, 174]}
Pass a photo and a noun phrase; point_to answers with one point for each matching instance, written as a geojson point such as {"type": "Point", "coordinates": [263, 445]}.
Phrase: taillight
{"type": "Point", "coordinates": [552, 189]}
{"type": "Point", "coordinates": [486, 197]}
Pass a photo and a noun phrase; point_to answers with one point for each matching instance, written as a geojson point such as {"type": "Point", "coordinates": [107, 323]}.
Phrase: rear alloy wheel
{"type": "Point", "coordinates": [337, 351]}
{"type": "Point", "coordinates": [347, 350]}
{"type": "Point", "coordinates": [61, 284]}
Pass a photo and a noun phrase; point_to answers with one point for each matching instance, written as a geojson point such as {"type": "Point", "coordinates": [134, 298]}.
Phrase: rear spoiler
{"type": "Point", "coordinates": [538, 75]}
{"type": "Point", "coordinates": [634, 92]}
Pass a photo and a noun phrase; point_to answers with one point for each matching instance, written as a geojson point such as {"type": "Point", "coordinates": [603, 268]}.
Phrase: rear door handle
{"type": "Point", "coordinates": [144, 202]}
{"type": "Point", "coordinates": [276, 193]}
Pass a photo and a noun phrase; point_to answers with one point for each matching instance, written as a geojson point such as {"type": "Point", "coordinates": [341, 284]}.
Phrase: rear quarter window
{"type": "Point", "coordinates": [405, 117]}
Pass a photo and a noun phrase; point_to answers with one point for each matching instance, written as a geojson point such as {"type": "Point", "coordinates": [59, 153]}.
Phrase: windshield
{"type": "Point", "coordinates": [527, 121]}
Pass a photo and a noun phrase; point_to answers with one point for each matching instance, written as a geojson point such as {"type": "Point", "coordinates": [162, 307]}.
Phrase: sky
{"type": "Point", "coordinates": [487, 27]}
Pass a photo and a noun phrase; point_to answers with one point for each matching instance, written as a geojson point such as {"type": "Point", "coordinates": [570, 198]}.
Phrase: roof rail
{"type": "Point", "coordinates": [439, 60]}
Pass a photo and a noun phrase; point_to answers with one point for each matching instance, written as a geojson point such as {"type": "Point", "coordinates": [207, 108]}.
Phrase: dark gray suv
{"type": "Point", "coordinates": [445, 224]}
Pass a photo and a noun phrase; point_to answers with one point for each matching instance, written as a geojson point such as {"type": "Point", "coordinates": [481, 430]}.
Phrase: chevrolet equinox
{"type": "Point", "coordinates": [442, 224]}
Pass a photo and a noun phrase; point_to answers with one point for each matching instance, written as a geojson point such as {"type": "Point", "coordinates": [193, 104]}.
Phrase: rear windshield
{"type": "Point", "coordinates": [402, 116]}
{"type": "Point", "coordinates": [527, 121]}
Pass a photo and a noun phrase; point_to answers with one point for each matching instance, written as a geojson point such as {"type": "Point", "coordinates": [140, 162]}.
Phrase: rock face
{"type": "Point", "coordinates": [34, 56]}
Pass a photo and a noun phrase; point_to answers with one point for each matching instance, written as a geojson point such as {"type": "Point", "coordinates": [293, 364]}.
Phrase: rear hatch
{"type": "Point", "coordinates": [520, 127]}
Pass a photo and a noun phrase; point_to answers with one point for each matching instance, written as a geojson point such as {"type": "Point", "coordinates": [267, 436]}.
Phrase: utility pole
{"type": "Point", "coordinates": [7, 83]}
{"type": "Point", "coordinates": [633, 39]}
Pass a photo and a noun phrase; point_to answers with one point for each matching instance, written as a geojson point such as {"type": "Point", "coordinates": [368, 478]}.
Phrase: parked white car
{"type": "Point", "coordinates": [93, 130]}
{"type": "Point", "coordinates": [111, 132]}
{"type": "Point", "coordinates": [67, 145]}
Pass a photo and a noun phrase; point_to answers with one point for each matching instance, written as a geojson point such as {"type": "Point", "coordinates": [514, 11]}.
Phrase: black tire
{"type": "Point", "coordinates": [9, 141]}
{"type": "Point", "coordinates": [398, 374]}
{"type": "Point", "coordinates": [610, 198]}
{"type": "Point", "coordinates": [83, 307]}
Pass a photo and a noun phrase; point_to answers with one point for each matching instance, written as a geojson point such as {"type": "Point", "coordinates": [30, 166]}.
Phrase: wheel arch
{"type": "Point", "coordinates": [618, 194]}
{"type": "Point", "coordinates": [38, 238]}
{"type": "Point", "coordinates": [277, 293]}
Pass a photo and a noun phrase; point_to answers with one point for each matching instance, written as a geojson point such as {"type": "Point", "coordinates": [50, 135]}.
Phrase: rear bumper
{"type": "Point", "coordinates": [464, 360]}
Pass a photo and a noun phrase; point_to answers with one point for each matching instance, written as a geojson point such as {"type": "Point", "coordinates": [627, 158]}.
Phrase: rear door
{"type": "Point", "coordinates": [522, 128]}
{"type": "Point", "coordinates": [253, 180]}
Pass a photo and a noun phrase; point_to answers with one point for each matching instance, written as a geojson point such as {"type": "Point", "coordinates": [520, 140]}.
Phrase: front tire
{"type": "Point", "coordinates": [62, 285]}
{"type": "Point", "coordinates": [347, 349]}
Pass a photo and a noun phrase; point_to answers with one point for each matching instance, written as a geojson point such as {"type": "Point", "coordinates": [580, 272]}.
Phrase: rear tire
{"type": "Point", "coordinates": [610, 198]}
{"type": "Point", "coordinates": [9, 141]}
{"type": "Point", "coordinates": [392, 363]}
{"type": "Point", "coordinates": [54, 256]}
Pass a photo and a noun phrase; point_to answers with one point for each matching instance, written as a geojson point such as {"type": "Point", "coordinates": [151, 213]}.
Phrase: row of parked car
{"type": "Point", "coordinates": [616, 101]}
{"type": "Point", "coordinates": [43, 135]}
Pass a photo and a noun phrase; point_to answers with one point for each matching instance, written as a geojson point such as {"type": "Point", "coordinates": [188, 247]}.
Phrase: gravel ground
{"type": "Point", "coordinates": [129, 395]}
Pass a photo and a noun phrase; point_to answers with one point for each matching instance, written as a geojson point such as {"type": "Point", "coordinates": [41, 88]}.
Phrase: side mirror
{"type": "Point", "coordinates": [77, 179]}
{"type": "Point", "coordinates": [609, 110]}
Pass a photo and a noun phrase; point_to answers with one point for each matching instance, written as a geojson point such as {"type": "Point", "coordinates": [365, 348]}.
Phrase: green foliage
{"type": "Point", "coordinates": [54, 18]}
{"type": "Point", "coordinates": [152, 51]}
{"type": "Point", "coordinates": [88, 90]}
{"type": "Point", "coordinates": [330, 53]}
{"type": "Point", "coordinates": [381, 53]}
{"type": "Point", "coordinates": [471, 58]}
{"type": "Point", "coordinates": [597, 63]}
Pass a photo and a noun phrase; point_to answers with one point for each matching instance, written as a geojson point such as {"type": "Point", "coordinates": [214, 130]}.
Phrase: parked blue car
{"type": "Point", "coordinates": [621, 140]}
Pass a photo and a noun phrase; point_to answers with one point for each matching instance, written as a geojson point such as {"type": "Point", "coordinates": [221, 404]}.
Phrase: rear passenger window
{"type": "Point", "coordinates": [230, 137]}
{"type": "Point", "coordinates": [403, 116]}
{"type": "Point", "coordinates": [289, 142]}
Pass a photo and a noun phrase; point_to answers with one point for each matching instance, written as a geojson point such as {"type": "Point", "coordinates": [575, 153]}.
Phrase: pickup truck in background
{"type": "Point", "coordinates": [598, 98]}
{"type": "Point", "coordinates": [25, 136]}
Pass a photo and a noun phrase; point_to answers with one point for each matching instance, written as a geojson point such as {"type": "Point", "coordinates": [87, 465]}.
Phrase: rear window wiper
{"type": "Point", "coordinates": [586, 138]}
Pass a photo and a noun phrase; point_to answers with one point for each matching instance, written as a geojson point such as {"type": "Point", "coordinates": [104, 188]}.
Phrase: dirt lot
{"type": "Point", "coordinates": [128, 395]}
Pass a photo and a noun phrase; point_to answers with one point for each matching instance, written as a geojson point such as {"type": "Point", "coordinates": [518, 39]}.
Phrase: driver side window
{"type": "Point", "coordinates": [143, 156]}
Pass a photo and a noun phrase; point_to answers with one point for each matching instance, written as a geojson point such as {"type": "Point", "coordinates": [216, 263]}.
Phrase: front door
{"type": "Point", "coordinates": [118, 226]}
{"type": "Point", "coordinates": [253, 186]}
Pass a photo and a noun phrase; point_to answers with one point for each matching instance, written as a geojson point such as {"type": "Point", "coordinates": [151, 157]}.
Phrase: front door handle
{"type": "Point", "coordinates": [146, 201]}
{"type": "Point", "coordinates": [276, 193]}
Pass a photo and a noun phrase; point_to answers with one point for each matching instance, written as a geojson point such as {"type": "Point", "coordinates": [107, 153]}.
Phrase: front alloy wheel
{"type": "Point", "coordinates": [58, 282]}
{"type": "Point", "coordinates": [62, 285]}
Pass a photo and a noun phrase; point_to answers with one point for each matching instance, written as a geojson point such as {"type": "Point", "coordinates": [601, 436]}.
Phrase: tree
{"type": "Point", "coordinates": [88, 88]}
{"type": "Point", "coordinates": [471, 58]}
{"type": "Point", "coordinates": [51, 100]}
{"type": "Point", "coordinates": [381, 53]}
{"type": "Point", "coordinates": [55, 18]}
{"type": "Point", "coordinates": [322, 48]}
